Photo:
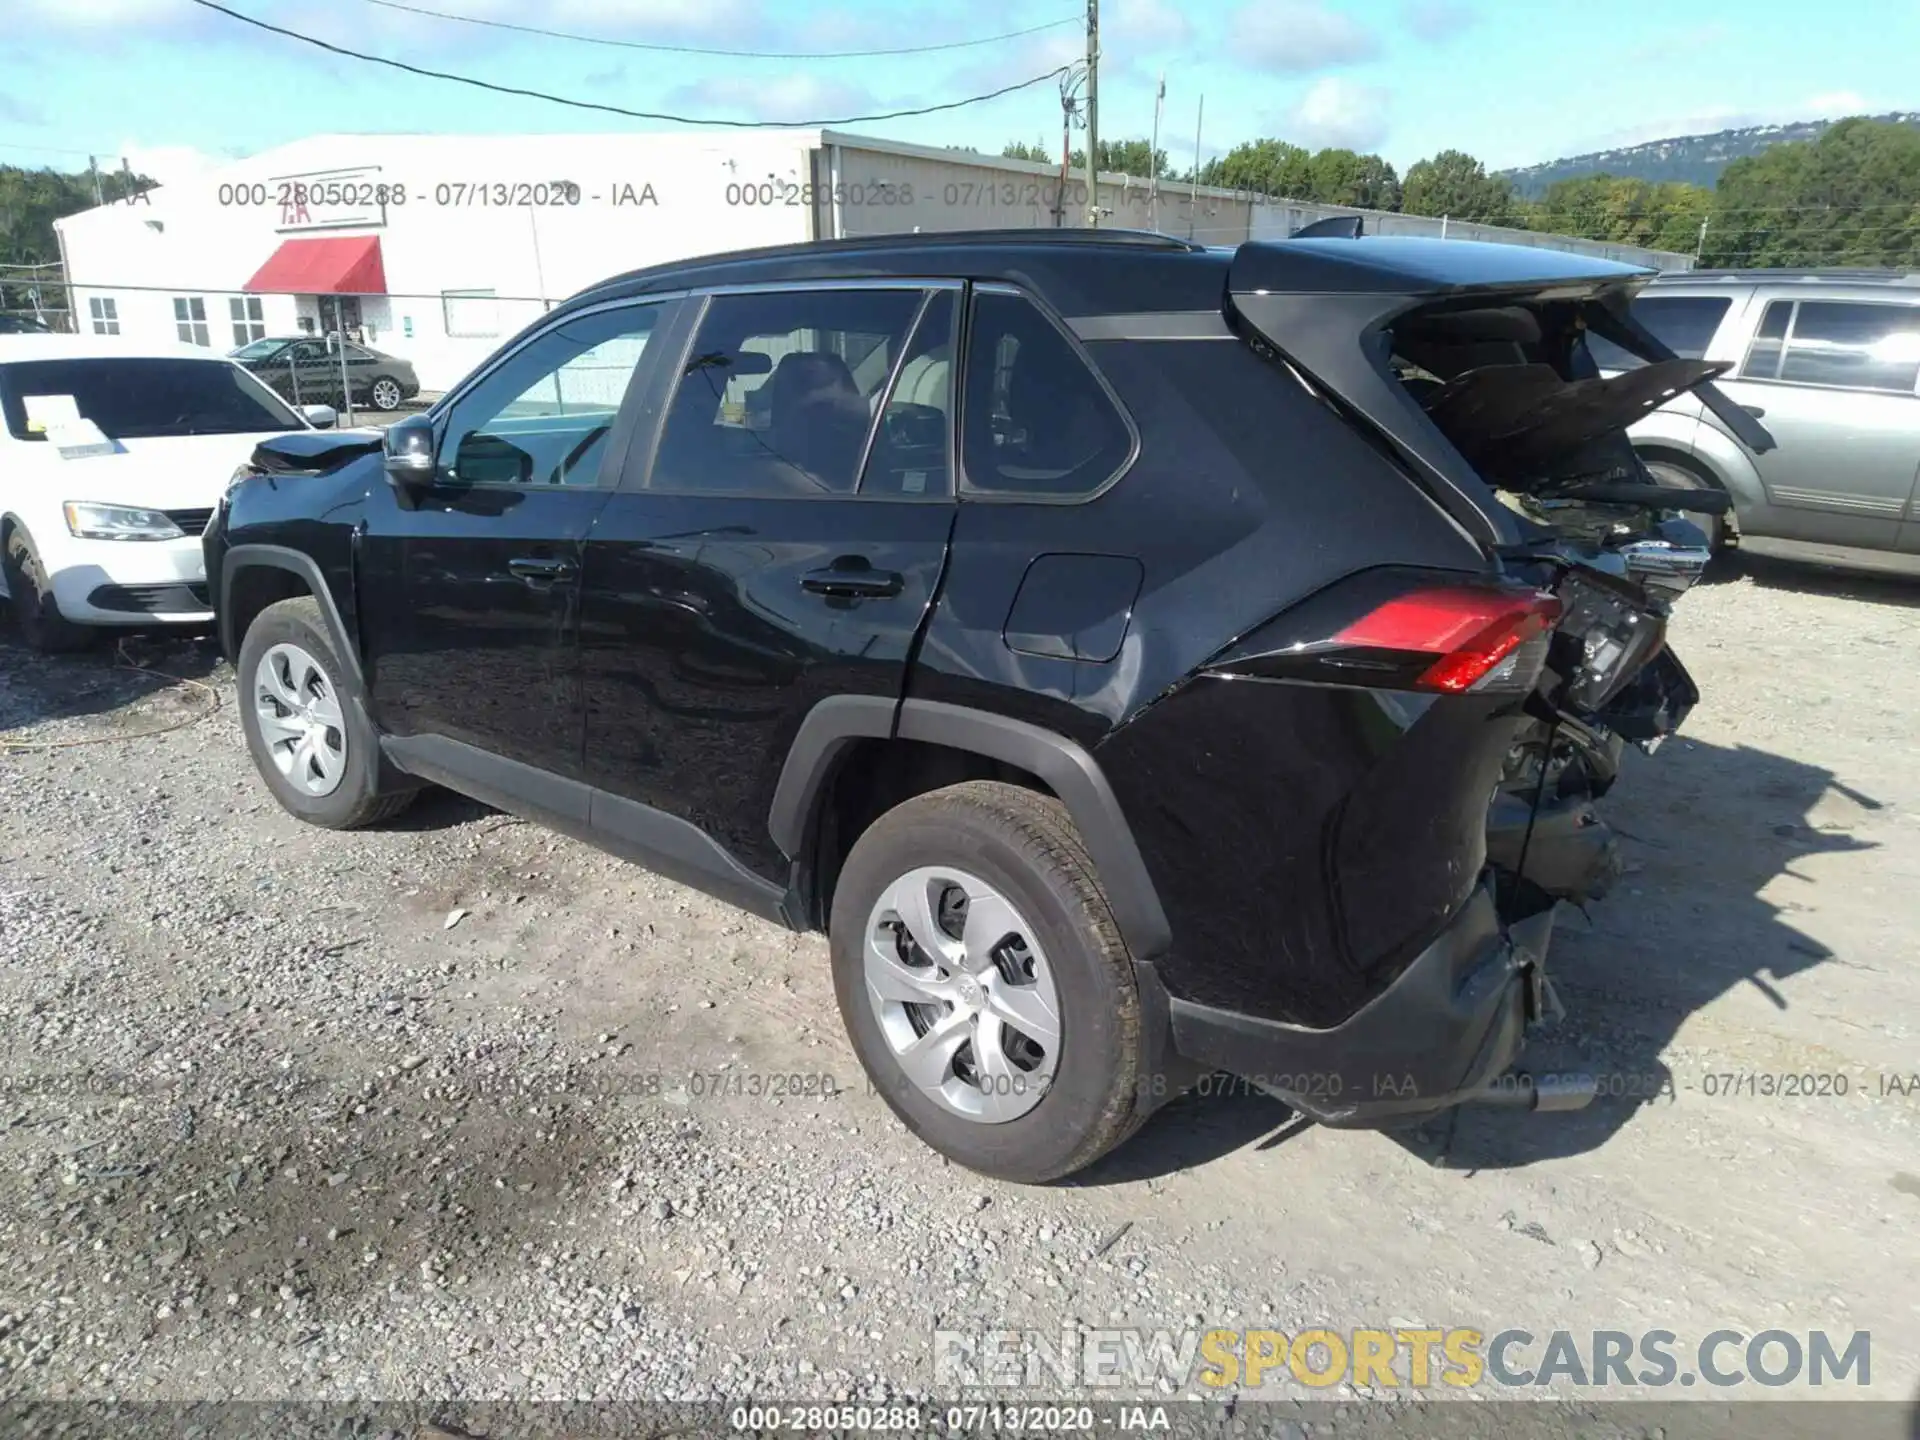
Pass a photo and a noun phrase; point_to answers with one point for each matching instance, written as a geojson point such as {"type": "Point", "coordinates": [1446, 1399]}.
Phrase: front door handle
{"type": "Point", "coordinates": [541, 571]}
{"type": "Point", "coordinates": [850, 583]}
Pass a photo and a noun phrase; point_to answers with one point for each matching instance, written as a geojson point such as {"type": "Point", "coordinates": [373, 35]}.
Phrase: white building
{"type": "Point", "coordinates": [436, 247]}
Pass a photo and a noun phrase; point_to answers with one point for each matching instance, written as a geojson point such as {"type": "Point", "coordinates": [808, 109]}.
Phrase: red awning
{"type": "Point", "coordinates": [333, 265]}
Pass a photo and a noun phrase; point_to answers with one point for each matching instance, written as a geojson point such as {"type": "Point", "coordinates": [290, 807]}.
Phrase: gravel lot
{"type": "Point", "coordinates": [461, 1109]}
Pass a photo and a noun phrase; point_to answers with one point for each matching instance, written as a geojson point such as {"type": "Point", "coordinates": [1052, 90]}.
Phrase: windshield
{"type": "Point", "coordinates": [138, 398]}
{"type": "Point", "coordinates": [258, 350]}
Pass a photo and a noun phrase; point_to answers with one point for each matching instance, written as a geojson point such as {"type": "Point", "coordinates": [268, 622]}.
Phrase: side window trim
{"type": "Point", "coordinates": [619, 433]}
{"type": "Point", "coordinates": [885, 396]}
{"type": "Point", "coordinates": [963, 487]}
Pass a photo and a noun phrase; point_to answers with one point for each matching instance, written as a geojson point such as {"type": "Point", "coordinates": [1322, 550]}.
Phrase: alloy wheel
{"type": "Point", "coordinates": [386, 394]}
{"type": "Point", "coordinates": [300, 720]}
{"type": "Point", "coordinates": [963, 993]}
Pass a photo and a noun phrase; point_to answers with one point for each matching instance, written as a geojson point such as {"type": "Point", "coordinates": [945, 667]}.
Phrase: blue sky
{"type": "Point", "coordinates": [173, 84]}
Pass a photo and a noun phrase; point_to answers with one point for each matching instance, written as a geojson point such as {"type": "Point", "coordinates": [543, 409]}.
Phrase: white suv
{"type": "Point", "coordinates": [112, 458]}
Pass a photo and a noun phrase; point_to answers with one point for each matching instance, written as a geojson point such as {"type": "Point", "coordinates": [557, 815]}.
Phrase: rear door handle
{"type": "Point", "coordinates": [540, 570]}
{"type": "Point", "coordinates": [1757, 411]}
{"type": "Point", "coordinates": [852, 584]}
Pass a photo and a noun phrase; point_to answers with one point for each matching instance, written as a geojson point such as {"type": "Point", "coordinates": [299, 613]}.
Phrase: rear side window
{"type": "Point", "coordinates": [1685, 324]}
{"type": "Point", "coordinates": [1854, 346]}
{"type": "Point", "coordinates": [1039, 424]}
{"type": "Point", "coordinates": [781, 390]}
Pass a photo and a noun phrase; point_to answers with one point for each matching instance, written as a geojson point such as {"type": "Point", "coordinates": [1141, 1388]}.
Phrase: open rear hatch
{"type": "Point", "coordinates": [1471, 360]}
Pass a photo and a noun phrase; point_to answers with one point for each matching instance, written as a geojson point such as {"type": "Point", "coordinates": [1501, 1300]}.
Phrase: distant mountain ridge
{"type": "Point", "coordinates": [1695, 159]}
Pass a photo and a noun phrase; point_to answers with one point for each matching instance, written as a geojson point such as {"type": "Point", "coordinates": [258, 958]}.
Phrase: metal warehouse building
{"type": "Point", "coordinates": [435, 247]}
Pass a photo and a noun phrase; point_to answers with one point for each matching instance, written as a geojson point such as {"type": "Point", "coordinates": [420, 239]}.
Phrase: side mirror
{"type": "Point", "coordinates": [408, 450]}
{"type": "Point", "coordinates": [321, 417]}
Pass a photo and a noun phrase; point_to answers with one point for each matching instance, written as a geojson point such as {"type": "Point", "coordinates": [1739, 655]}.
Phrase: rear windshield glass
{"type": "Point", "coordinates": [138, 398]}
{"type": "Point", "coordinates": [1684, 324]}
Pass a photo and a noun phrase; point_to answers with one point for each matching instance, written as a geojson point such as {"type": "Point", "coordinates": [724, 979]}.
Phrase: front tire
{"type": "Point", "coordinates": [311, 742]}
{"type": "Point", "coordinates": [385, 393]}
{"type": "Point", "coordinates": [985, 985]}
{"type": "Point", "coordinates": [35, 610]}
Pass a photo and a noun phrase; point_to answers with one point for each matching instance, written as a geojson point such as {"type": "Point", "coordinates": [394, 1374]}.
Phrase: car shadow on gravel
{"type": "Point", "coordinates": [1803, 578]}
{"type": "Point", "coordinates": [1705, 828]}
{"type": "Point", "coordinates": [1219, 1115]}
{"type": "Point", "coordinates": [109, 679]}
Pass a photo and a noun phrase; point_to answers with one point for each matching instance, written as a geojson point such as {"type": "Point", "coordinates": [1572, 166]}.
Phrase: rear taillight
{"type": "Point", "coordinates": [1480, 640]}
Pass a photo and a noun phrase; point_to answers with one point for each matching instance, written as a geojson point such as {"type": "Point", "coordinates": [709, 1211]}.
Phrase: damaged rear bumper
{"type": "Point", "coordinates": [1443, 1034]}
{"type": "Point", "coordinates": [1571, 855]}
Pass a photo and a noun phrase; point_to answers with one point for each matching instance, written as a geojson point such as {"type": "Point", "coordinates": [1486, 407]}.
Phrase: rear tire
{"type": "Point", "coordinates": [1049, 1092]}
{"type": "Point", "coordinates": [35, 610]}
{"type": "Point", "coordinates": [1678, 477]}
{"type": "Point", "coordinates": [310, 740]}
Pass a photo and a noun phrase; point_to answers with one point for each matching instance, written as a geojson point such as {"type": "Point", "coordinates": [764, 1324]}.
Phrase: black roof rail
{"type": "Point", "coordinates": [929, 239]}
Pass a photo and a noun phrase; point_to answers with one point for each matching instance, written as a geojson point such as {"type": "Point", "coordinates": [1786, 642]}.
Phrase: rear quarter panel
{"type": "Point", "coordinates": [1248, 494]}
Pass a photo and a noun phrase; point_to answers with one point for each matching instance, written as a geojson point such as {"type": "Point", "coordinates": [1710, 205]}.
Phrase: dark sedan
{"type": "Point", "coordinates": [306, 372]}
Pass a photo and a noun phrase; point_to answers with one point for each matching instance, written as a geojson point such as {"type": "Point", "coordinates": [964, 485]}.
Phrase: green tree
{"type": "Point", "coordinates": [1454, 183]}
{"type": "Point", "coordinates": [30, 201]}
{"type": "Point", "coordinates": [1123, 157]}
{"type": "Point", "coordinates": [1342, 177]}
{"type": "Point", "coordinates": [1850, 197]}
{"type": "Point", "coordinates": [1665, 215]}
{"type": "Point", "coordinates": [1265, 167]}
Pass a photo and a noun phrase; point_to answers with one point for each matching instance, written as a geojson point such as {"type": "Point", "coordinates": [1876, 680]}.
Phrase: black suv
{"type": "Point", "coordinates": [1088, 630]}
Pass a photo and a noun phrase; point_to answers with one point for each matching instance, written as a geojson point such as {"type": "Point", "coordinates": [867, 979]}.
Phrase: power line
{"type": "Point", "coordinates": [730, 54]}
{"type": "Point", "coordinates": [620, 110]}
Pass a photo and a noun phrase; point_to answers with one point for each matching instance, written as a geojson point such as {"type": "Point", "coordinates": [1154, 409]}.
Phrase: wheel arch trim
{"type": "Point", "coordinates": [1065, 767]}
{"type": "Point", "coordinates": [280, 557]}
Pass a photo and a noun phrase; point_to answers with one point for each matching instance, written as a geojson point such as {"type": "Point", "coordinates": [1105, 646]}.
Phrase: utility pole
{"type": "Point", "coordinates": [1193, 193]}
{"type": "Point", "coordinates": [1700, 247]}
{"type": "Point", "coordinates": [1093, 112]}
{"type": "Point", "coordinates": [93, 170]}
{"type": "Point", "coordinates": [1153, 156]}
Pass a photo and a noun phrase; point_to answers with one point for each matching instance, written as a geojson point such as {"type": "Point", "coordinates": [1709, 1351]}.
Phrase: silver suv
{"type": "Point", "coordinates": [1829, 361]}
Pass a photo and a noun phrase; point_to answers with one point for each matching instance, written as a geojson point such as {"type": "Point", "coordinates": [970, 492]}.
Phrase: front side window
{"type": "Point", "coordinates": [249, 321]}
{"type": "Point", "coordinates": [1856, 346]}
{"type": "Point", "coordinates": [543, 415]}
{"type": "Point", "coordinates": [1038, 422]}
{"type": "Point", "coordinates": [139, 398]}
{"type": "Point", "coordinates": [781, 391]}
{"type": "Point", "coordinates": [1685, 324]}
{"type": "Point", "coordinates": [190, 319]}
{"type": "Point", "coordinates": [104, 312]}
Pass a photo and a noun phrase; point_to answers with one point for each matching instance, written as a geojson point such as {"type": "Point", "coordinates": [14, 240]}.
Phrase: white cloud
{"type": "Point", "coordinates": [1298, 36]}
{"type": "Point", "coordinates": [1438, 20]}
{"type": "Point", "coordinates": [775, 98]}
{"type": "Point", "coordinates": [1840, 104]}
{"type": "Point", "coordinates": [1339, 112]}
{"type": "Point", "coordinates": [1146, 25]}
{"type": "Point", "coordinates": [178, 166]}
{"type": "Point", "coordinates": [20, 112]}
{"type": "Point", "coordinates": [84, 14]}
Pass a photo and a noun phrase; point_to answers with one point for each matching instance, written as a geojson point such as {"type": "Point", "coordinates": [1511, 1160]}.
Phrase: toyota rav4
{"type": "Point", "coordinates": [1089, 631]}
